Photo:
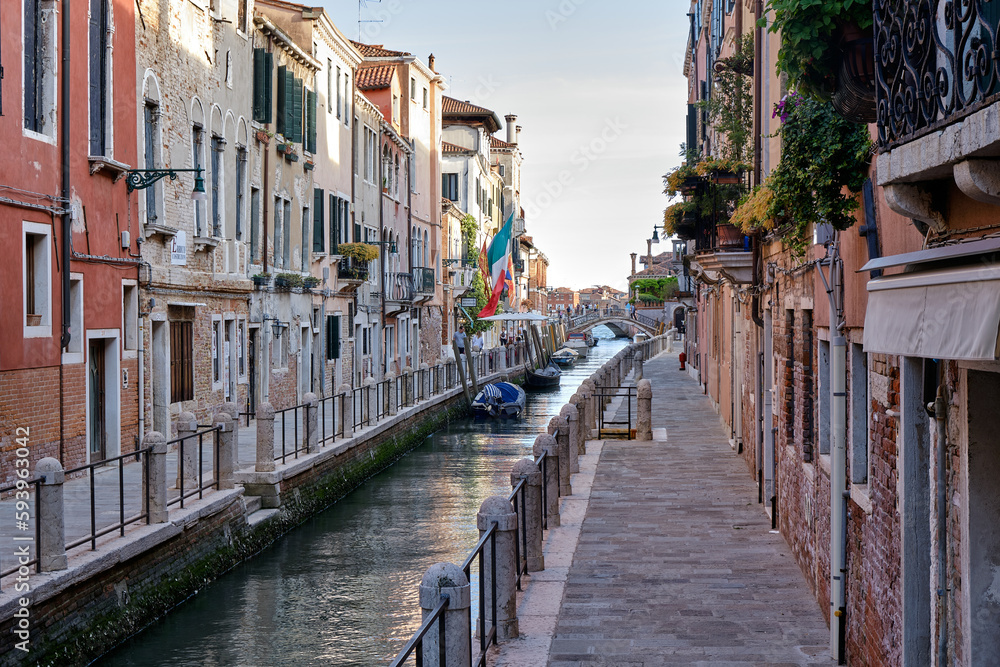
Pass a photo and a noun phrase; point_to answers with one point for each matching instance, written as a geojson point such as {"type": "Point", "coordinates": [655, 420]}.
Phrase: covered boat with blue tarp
{"type": "Point", "coordinates": [499, 399]}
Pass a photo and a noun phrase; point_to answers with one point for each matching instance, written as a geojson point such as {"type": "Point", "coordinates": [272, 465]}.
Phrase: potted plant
{"type": "Point", "coordinates": [261, 280]}
{"type": "Point", "coordinates": [308, 165]}
{"type": "Point", "coordinates": [309, 282]}
{"type": "Point", "coordinates": [263, 136]}
{"type": "Point", "coordinates": [286, 281]}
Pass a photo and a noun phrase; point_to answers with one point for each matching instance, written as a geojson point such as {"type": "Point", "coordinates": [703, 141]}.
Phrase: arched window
{"type": "Point", "coordinates": [427, 249]}
{"type": "Point", "coordinates": [396, 172]}
{"type": "Point", "coordinates": [386, 167]}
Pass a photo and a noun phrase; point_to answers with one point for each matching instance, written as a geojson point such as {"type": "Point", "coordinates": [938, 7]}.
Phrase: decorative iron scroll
{"type": "Point", "coordinates": [936, 62]}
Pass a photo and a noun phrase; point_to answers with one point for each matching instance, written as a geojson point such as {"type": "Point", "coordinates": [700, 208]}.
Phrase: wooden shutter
{"type": "Point", "coordinates": [333, 336]}
{"type": "Point", "coordinates": [97, 64]}
{"type": "Point", "coordinates": [268, 87]}
{"type": "Point", "coordinates": [297, 91]}
{"type": "Point", "coordinates": [181, 362]}
{"type": "Point", "coordinates": [282, 100]}
{"type": "Point", "coordinates": [318, 200]}
{"type": "Point", "coordinates": [311, 128]}
{"type": "Point", "coordinates": [334, 225]}
{"type": "Point", "coordinates": [258, 85]}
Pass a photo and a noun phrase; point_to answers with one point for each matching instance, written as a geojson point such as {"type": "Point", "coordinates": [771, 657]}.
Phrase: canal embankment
{"type": "Point", "coordinates": [194, 529]}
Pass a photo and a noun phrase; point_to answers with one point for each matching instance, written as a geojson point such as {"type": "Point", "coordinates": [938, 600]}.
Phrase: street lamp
{"type": "Point", "coordinates": [276, 325]}
{"type": "Point", "coordinates": [140, 179]}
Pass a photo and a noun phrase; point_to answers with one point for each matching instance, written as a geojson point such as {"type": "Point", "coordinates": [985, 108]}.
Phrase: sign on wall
{"type": "Point", "coordinates": [178, 248]}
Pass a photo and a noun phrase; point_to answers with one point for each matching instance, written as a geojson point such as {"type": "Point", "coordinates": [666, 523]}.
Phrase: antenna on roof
{"type": "Point", "coordinates": [362, 4]}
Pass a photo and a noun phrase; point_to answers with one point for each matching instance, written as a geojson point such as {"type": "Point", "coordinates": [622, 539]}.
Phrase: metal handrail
{"type": "Point", "coordinates": [300, 446]}
{"type": "Point", "coordinates": [613, 392]}
{"type": "Point", "coordinates": [417, 640]}
{"type": "Point", "coordinates": [122, 520]}
{"type": "Point", "coordinates": [19, 487]}
{"type": "Point", "coordinates": [182, 494]}
{"type": "Point", "coordinates": [484, 639]}
{"type": "Point", "coordinates": [331, 437]}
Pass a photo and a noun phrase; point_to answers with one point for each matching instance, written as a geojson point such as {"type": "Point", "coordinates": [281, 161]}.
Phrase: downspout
{"type": "Point", "coordinates": [142, 356]}
{"type": "Point", "coordinates": [758, 320]}
{"type": "Point", "coordinates": [409, 243]}
{"type": "Point", "coordinates": [66, 216]}
{"type": "Point", "coordinates": [382, 254]}
{"type": "Point", "coordinates": [940, 416]}
{"type": "Point", "coordinates": [838, 453]}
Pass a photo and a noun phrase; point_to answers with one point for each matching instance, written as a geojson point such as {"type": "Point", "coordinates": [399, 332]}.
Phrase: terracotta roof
{"type": "Point", "coordinates": [374, 76]}
{"type": "Point", "coordinates": [377, 51]}
{"type": "Point", "coordinates": [447, 148]}
{"type": "Point", "coordinates": [458, 109]}
{"type": "Point", "coordinates": [500, 143]}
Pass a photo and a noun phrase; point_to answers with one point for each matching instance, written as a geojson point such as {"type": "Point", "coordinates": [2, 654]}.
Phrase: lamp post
{"type": "Point", "coordinates": [140, 179]}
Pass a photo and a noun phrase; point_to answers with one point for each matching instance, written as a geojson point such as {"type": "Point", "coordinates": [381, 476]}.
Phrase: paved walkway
{"type": "Point", "coordinates": [674, 561]}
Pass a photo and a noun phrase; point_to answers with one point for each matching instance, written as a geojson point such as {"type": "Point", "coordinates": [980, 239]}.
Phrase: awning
{"type": "Point", "coordinates": [944, 314]}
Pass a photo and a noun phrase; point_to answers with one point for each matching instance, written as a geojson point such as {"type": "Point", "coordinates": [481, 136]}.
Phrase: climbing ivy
{"type": "Point", "coordinates": [470, 230]}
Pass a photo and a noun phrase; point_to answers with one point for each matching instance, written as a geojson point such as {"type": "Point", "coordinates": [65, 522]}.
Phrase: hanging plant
{"type": "Point", "coordinates": [360, 252]}
{"type": "Point", "coordinates": [470, 230]}
{"type": "Point", "coordinates": [730, 106]}
{"type": "Point", "coordinates": [754, 211]}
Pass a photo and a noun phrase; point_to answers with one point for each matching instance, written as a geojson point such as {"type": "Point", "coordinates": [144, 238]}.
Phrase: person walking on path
{"type": "Point", "coordinates": [460, 339]}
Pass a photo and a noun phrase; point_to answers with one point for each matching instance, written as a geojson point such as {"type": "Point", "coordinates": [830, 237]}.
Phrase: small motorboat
{"type": "Point", "coordinates": [543, 377]}
{"type": "Point", "coordinates": [500, 400]}
{"type": "Point", "coordinates": [578, 345]}
{"type": "Point", "coordinates": [565, 356]}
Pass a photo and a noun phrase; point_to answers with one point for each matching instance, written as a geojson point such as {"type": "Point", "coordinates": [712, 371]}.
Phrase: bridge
{"type": "Point", "coordinates": [617, 320]}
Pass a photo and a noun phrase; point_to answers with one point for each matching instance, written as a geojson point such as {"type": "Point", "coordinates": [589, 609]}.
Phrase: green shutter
{"type": "Point", "coordinates": [334, 225]}
{"type": "Point", "coordinates": [311, 128]}
{"type": "Point", "coordinates": [282, 100]}
{"type": "Point", "coordinates": [318, 200]}
{"type": "Point", "coordinates": [258, 85]}
{"type": "Point", "coordinates": [333, 336]}
{"type": "Point", "coordinates": [268, 86]}
{"type": "Point", "coordinates": [296, 111]}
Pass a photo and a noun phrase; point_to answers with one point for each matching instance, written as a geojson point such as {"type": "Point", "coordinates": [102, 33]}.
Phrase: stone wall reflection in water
{"type": "Point", "coordinates": [342, 588]}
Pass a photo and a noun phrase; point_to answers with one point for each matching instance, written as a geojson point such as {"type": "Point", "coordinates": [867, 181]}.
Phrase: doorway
{"type": "Point", "coordinates": [97, 401]}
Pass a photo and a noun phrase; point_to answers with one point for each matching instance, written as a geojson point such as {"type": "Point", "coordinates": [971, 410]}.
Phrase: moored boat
{"type": "Point", "coordinates": [578, 345]}
{"type": "Point", "coordinates": [565, 356]}
{"type": "Point", "coordinates": [500, 400]}
{"type": "Point", "coordinates": [542, 377]}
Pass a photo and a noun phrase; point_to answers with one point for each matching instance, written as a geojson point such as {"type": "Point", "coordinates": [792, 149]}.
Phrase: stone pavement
{"type": "Point", "coordinates": [675, 562]}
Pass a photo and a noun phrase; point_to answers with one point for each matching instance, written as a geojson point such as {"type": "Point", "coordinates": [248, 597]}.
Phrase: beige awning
{"type": "Point", "coordinates": [943, 314]}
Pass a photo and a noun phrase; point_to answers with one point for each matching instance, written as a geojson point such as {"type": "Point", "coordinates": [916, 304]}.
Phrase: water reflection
{"type": "Point", "coordinates": [342, 588]}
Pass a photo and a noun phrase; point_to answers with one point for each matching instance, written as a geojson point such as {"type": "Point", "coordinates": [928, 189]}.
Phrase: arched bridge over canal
{"type": "Point", "coordinates": [618, 321]}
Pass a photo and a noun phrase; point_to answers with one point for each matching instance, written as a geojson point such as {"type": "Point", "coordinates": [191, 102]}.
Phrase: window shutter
{"type": "Point", "coordinates": [336, 336]}
{"type": "Point", "coordinates": [296, 111]}
{"type": "Point", "coordinates": [318, 200]}
{"type": "Point", "coordinates": [282, 100]}
{"type": "Point", "coordinates": [311, 110]}
{"type": "Point", "coordinates": [334, 225]}
{"type": "Point", "coordinates": [268, 87]}
{"type": "Point", "coordinates": [258, 85]}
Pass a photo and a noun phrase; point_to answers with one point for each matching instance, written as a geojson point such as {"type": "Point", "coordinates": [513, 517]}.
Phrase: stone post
{"type": "Point", "coordinates": [234, 412]}
{"type": "Point", "coordinates": [439, 580]}
{"type": "Point", "coordinates": [50, 515]}
{"type": "Point", "coordinates": [530, 505]}
{"type": "Point", "coordinates": [670, 340]}
{"type": "Point", "coordinates": [439, 371]}
{"type": "Point", "coordinates": [390, 389]}
{"type": "Point", "coordinates": [227, 450]}
{"type": "Point", "coordinates": [425, 380]}
{"type": "Point", "coordinates": [560, 430]}
{"type": "Point", "coordinates": [589, 422]}
{"type": "Point", "coordinates": [188, 466]}
{"type": "Point", "coordinates": [637, 366]}
{"type": "Point", "coordinates": [546, 444]}
{"type": "Point", "coordinates": [367, 404]}
{"type": "Point", "coordinates": [156, 460]}
{"type": "Point", "coordinates": [265, 438]}
{"type": "Point", "coordinates": [407, 376]}
{"type": "Point", "coordinates": [311, 422]}
{"type": "Point", "coordinates": [347, 413]}
{"type": "Point", "coordinates": [572, 417]}
{"type": "Point", "coordinates": [498, 510]}
{"type": "Point", "coordinates": [644, 428]}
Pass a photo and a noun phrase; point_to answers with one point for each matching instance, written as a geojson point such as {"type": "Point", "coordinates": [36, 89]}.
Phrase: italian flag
{"type": "Point", "coordinates": [498, 258]}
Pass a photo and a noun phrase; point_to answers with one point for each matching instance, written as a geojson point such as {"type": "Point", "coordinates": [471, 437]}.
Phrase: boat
{"type": "Point", "coordinates": [499, 400]}
{"type": "Point", "coordinates": [578, 345]}
{"type": "Point", "coordinates": [543, 377]}
{"type": "Point", "coordinates": [565, 356]}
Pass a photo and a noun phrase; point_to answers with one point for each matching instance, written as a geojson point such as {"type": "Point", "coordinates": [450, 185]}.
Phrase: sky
{"type": "Point", "coordinates": [598, 89]}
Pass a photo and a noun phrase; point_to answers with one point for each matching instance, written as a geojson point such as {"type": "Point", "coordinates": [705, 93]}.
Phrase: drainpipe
{"type": "Point", "coordinates": [838, 453]}
{"type": "Point", "coordinates": [66, 216]}
{"type": "Point", "coordinates": [940, 406]}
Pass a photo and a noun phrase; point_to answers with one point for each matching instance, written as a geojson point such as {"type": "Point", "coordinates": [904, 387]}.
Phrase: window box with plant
{"type": "Point", "coordinates": [354, 265]}
{"type": "Point", "coordinates": [286, 281]}
{"type": "Point", "coordinates": [261, 280]}
{"type": "Point", "coordinates": [310, 282]}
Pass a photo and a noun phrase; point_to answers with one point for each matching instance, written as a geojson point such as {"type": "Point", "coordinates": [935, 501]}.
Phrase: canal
{"type": "Point", "coordinates": [341, 589]}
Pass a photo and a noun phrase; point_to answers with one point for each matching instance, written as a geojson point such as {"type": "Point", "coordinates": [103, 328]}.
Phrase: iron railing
{"type": "Point", "coordinates": [199, 488]}
{"type": "Point", "coordinates": [608, 393]}
{"type": "Point", "coordinates": [485, 639]}
{"type": "Point", "coordinates": [398, 287]}
{"type": "Point", "coordinates": [24, 520]}
{"type": "Point", "coordinates": [423, 280]}
{"type": "Point", "coordinates": [415, 646]}
{"type": "Point", "coordinates": [298, 415]}
{"type": "Point", "coordinates": [331, 407]}
{"type": "Point", "coordinates": [97, 531]}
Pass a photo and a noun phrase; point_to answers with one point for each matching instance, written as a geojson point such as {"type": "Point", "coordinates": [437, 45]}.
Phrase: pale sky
{"type": "Point", "coordinates": [598, 89]}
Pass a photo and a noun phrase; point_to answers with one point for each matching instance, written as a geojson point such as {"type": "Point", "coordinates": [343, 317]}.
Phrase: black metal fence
{"type": "Point", "coordinates": [124, 517]}
{"type": "Point", "coordinates": [188, 442]}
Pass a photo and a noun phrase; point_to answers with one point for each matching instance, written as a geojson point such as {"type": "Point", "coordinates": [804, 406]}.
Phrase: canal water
{"type": "Point", "coordinates": [341, 589]}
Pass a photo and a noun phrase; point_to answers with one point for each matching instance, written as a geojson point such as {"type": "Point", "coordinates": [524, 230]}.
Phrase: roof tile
{"type": "Point", "coordinates": [372, 77]}
{"type": "Point", "coordinates": [377, 51]}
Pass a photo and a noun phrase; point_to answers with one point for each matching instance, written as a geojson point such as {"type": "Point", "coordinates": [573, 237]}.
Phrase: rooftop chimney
{"type": "Point", "coordinates": [517, 135]}
{"type": "Point", "coordinates": [633, 255]}
{"type": "Point", "coordinates": [430, 63]}
{"type": "Point", "coordinates": [511, 119]}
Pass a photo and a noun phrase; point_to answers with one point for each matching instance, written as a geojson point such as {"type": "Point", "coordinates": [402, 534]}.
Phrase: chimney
{"type": "Point", "coordinates": [430, 63]}
{"type": "Point", "coordinates": [633, 256]}
{"type": "Point", "coordinates": [517, 134]}
{"type": "Point", "coordinates": [511, 119]}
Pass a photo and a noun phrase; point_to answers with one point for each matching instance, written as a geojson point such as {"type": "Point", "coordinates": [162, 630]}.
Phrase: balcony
{"type": "Point", "coordinates": [398, 291]}
{"type": "Point", "coordinates": [424, 281]}
{"type": "Point", "coordinates": [938, 100]}
{"type": "Point", "coordinates": [723, 249]}
{"type": "Point", "coordinates": [351, 274]}
{"type": "Point", "coordinates": [461, 273]}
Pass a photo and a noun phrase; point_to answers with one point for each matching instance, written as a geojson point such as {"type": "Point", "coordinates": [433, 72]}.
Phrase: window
{"type": "Point", "coordinates": [823, 397]}
{"type": "Point", "coordinates": [386, 168]}
{"type": "Point", "coordinates": [263, 64]}
{"type": "Point", "coordinates": [309, 142]}
{"type": "Point", "coordinates": [254, 224]}
{"type": "Point", "coordinates": [334, 224]}
{"type": "Point", "coordinates": [76, 316]}
{"type": "Point", "coordinates": [286, 241]}
{"type": "Point", "coordinates": [289, 121]}
{"type": "Point", "coordinates": [347, 102]}
{"type": "Point", "coordinates": [413, 88]}
{"type": "Point", "coordinates": [98, 69]}
{"type": "Point", "coordinates": [366, 340]}
{"type": "Point", "coordinates": [370, 147]}
{"type": "Point", "coordinates": [479, 193]}
{"type": "Point", "coordinates": [395, 109]}
{"type": "Point", "coordinates": [130, 316]}
{"type": "Point", "coordinates": [181, 362]}
{"type": "Point", "coordinates": [218, 145]}
{"type": "Point", "coordinates": [860, 412]}
{"type": "Point", "coordinates": [241, 15]}
{"type": "Point", "coordinates": [241, 186]}
{"type": "Point", "coordinates": [426, 99]}
{"type": "Point", "coordinates": [151, 133]}
{"type": "Point", "coordinates": [340, 99]}
{"type": "Point", "coordinates": [37, 277]}
{"type": "Point", "coordinates": [241, 348]}
{"type": "Point", "coordinates": [333, 336]}
{"type": "Point", "coordinates": [317, 237]}
{"type": "Point", "coordinates": [278, 235]}
{"type": "Point", "coordinates": [304, 240]}
{"type": "Point", "coordinates": [198, 161]}
{"type": "Point", "coordinates": [39, 69]}
{"type": "Point", "coordinates": [395, 189]}
{"type": "Point", "coordinates": [216, 356]}
{"type": "Point", "coordinates": [502, 171]}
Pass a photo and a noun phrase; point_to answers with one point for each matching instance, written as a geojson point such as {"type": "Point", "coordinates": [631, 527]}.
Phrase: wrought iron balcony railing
{"type": "Point", "coordinates": [936, 63]}
{"type": "Point", "coordinates": [398, 287]}
{"type": "Point", "coordinates": [352, 270]}
{"type": "Point", "coordinates": [423, 280]}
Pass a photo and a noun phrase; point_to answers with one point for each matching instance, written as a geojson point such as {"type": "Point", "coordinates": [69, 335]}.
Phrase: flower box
{"type": "Point", "coordinates": [263, 137]}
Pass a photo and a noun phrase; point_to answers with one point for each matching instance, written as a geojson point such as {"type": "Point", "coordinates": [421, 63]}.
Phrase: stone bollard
{"type": "Point", "coordinates": [572, 417]}
{"type": "Point", "coordinates": [407, 376]}
{"type": "Point", "coordinates": [587, 390]}
{"type": "Point", "coordinates": [670, 340]}
{"type": "Point", "coordinates": [637, 366]}
{"type": "Point", "coordinates": [390, 390]}
{"type": "Point", "coordinates": [498, 510]}
{"type": "Point", "coordinates": [578, 402]}
{"type": "Point", "coordinates": [265, 438]}
{"type": "Point", "coordinates": [530, 505]}
{"type": "Point", "coordinates": [234, 412]}
{"type": "Point", "coordinates": [439, 379]}
{"type": "Point", "coordinates": [156, 473]}
{"type": "Point", "coordinates": [188, 466]}
{"type": "Point", "coordinates": [311, 425]}
{"type": "Point", "coordinates": [50, 515]}
{"type": "Point", "coordinates": [227, 450]}
{"type": "Point", "coordinates": [644, 428]}
{"type": "Point", "coordinates": [546, 444]}
{"type": "Point", "coordinates": [347, 410]}
{"type": "Point", "coordinates": [560, 430]}
{"type": "Point", "coordinates": [367, 404]}
{"type": "Point", "coordinates": [425, 380]}
{"type": "Point", "coordinates": [447, 579]}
